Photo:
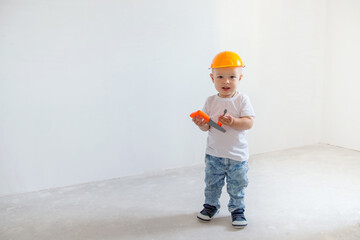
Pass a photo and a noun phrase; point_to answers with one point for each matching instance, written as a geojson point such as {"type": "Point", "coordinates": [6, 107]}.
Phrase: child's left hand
{"type": "Point", "coordinates": [227, 120]}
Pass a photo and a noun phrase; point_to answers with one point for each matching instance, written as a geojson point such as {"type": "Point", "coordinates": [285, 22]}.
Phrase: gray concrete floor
{"type": "Point", "coordinates": [312, 192]}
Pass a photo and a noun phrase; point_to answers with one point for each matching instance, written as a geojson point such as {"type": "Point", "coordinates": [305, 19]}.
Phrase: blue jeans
{"type": "Point", "coordinates": [236, 179]}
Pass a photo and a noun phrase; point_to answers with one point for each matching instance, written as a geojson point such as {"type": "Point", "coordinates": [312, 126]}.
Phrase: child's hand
{"type": "Point", "coordinates": [199, 121]}
{"type": "Point", "coordinates": [226, 120]}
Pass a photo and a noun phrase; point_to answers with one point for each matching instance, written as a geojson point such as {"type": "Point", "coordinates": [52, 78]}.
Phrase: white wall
{"type": "Point", "coordinates": [341, 115]}
{"type": "Point", "coordinates": [283, 47]}
{"type": "Point", "coordinates": [284, 57]}
{"type": "Point", "coordinates": [92, 90]}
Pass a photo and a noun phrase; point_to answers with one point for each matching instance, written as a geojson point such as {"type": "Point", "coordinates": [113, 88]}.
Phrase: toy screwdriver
{"type": "Point", "coordinates": [208, 120]}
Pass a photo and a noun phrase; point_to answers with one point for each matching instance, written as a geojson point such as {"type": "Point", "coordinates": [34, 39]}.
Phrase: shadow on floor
{"type": "Point", "coordinates": [181, 226]}
{"type": "Point", "coordinates": [170, 227]}
{"type": "Point", "coordinates": [160, 227]}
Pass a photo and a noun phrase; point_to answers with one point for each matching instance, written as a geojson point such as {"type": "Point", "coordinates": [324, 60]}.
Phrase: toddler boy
{"type": "Point", "coordinates": [226, 153]}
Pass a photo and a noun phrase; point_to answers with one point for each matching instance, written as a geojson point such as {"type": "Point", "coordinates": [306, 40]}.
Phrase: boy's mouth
{"type": "Point", "coordinates": [226, 88]}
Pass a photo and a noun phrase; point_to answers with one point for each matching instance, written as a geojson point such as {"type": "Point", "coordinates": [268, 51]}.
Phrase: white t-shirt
{"type": "Point", "coordinates": [231, 144]}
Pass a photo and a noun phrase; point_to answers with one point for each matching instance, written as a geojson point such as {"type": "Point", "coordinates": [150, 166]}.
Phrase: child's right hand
{"type": "Point", "coordinates": [199, 121]}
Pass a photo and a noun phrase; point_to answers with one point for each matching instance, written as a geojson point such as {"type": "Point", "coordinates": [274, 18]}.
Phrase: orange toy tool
{"type": "Point", "coordinates": [208, 120]}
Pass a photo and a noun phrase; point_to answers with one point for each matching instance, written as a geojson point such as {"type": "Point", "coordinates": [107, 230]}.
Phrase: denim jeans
{"type": "Point", "coordinates": [216, 170]}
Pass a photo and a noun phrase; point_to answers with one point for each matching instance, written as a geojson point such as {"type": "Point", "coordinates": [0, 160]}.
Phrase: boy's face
{"type": "Point", "coordinates": [226, 80]}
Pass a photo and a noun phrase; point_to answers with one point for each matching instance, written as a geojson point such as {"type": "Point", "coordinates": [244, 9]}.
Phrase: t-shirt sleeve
{"type": "Point", "coordinates": [246, 108]}
{"type": "Point", "coordinates": [206, 107]}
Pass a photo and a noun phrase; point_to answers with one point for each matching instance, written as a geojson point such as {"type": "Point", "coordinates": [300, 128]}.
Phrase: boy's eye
{"type": "Point", "coordinates": [232, 76]}
{"type": "Point", "coordinates": [220, 76]}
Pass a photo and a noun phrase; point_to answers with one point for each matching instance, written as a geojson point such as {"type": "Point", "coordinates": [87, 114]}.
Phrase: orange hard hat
{"type": "Point", "coordinates": [227, 59]}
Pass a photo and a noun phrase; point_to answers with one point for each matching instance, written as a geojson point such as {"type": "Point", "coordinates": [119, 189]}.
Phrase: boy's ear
{"type": "Point", "coordinates": [212, 77]}
{"type": "Point", "coordinates": [240, 77]}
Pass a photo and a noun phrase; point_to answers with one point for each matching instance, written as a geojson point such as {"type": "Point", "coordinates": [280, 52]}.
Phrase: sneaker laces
{"type": "Point", "coordinates": [209, 209]}
{"type": "Point", "coordinates": [239, 213]}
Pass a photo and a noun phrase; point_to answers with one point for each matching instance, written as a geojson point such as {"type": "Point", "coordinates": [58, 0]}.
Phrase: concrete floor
{"type": "Point", "coordinates": [311, 192]}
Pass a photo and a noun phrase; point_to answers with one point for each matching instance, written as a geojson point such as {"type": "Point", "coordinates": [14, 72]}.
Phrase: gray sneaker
{"type": "Point", "coordinates": [207, 213]}
{"type": "Point", "coordinates": [238, 218]}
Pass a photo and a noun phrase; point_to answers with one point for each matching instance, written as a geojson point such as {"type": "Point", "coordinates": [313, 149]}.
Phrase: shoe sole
{"type": "Point", "coordinates": [239, 226]}
{"type": "Point", "coordinates": [207, 220]}
{"type": "Point", "coordinates": [204, 220]}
